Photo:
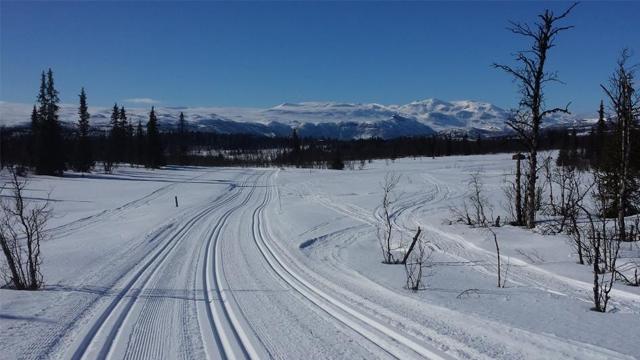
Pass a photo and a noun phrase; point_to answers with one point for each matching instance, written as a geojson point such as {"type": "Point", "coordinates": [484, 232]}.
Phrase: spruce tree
{"type": "Point", "coordinates": [125, 140]}
{"type": "Point", "coordinates": [116, 135]}
{"type": "Point", "coordinates": [296, 148]}
{"type": "Point", "coordinates": [155, 154]}
{"type": "Point", "coordinates": [84, 157]}
{"type": "Point", "coordinates": [601, 129]}
{"type": "Point", "coordinates": [33, 137]}
{"type": "Point", "coordinates": [182, 140]}
{"type": "Point", "coordinates": [140, 145]}
{"type": "Point", "coordinates": [49, 152]}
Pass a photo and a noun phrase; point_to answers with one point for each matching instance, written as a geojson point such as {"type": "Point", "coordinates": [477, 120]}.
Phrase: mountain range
{"type": "Point", "coordinates": [318, 119]}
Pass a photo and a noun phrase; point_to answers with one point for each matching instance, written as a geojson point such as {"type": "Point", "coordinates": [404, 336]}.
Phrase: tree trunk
{"type": "Point", "coordinates": [518, 194]}
{"type": "Point", "coordinates": [531, 188]}
{"type": "Point", "coordinates": [15, 276]}
{"type": "Point", "coordinates": [413, 243]}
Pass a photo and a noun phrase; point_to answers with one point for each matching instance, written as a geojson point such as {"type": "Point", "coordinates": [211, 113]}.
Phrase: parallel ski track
{"type": "Point", "coordinates": [386, 338]}
{"type": "Point", "coordinates": [212, 282]}
{"type": "Point", "coordinates": [73, 226]}
{"type": "Point", "coordinates": [140, 279]}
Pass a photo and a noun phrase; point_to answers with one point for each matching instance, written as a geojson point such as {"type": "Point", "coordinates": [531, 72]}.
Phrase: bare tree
{"type": "Point", "coordinates": [532, 78]}
{"type": "Point", "coordinates": [22, 230]}
{"type": "Point", "coordinates": [475, 205]}
{"type": "Point", "coordinates": [625, 103]}
{"type": "Point", "coordinates": [509, 189]}
{"type": "Point", "coordinates": [604, 245]}
{"type": "Point", "coordinates": [416, 238]}
{"type": "Point", "coordinates": [386, 228]}
{"type": "Point", "coordinates": [501, 280]}
{"type": "Point", "coordinates": [479, 202]}
{"type": "Point", "coordinates": [414, 263]}
{"type": "Point", "coordinates": [518, 189]}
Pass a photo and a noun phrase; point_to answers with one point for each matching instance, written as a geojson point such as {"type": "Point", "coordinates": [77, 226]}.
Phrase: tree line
{"type": "Point", "coordinates": [50, 147]}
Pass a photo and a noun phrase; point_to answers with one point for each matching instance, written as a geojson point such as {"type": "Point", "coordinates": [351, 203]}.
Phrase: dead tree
{"type": "Point", "coordinates": [413, 244]}
{"type": "Point", "coordinates": [532, 77]}
{"type": "Point", "coordinates": [479, 202]}
{"type": "Point", "coordinates": [22, 227]}
{"type": "Point", "coordinates": [604, 243]}
{"type": "Point", "coordinates": [415, 264]}
{"type": "Point", "coordinates": [385, 229]}
{"type": "Point", "coordinates": [518, 189]}
{"type": "Point", "coordinates": [625, 103]}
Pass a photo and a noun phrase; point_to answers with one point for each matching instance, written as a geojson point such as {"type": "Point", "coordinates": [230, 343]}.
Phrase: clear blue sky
{"type": "Point", "coordinates": [262, 54]}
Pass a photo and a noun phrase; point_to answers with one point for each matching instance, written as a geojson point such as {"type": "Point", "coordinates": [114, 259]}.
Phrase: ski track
{"type": "Point", "coordinates": [150, 303]}
{"type": "Point", "coordinates": [407, 215]}
{"type": "Point", "coordinates": [101, 335]}
{"type": "Point", "coordinates": [55, 339]}
{"type": "Point", "coordinates": [387, 338]}
{"type": "Point", "coordinates": [85, 222]}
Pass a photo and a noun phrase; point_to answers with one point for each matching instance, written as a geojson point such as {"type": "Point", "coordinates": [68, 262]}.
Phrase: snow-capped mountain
{"type": "Point", "coordinates": [317, 119]}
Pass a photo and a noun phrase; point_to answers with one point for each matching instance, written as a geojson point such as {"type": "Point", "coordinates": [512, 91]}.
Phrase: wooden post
{"type": "Point", "coordinates": [176, 198]}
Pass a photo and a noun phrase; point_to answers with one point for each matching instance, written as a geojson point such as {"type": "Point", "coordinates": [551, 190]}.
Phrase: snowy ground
{"type": "Point", "coordinates": [260, 263]}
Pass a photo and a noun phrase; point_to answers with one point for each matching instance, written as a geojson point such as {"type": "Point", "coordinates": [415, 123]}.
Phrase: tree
{"type": "Point", "coordinates": [625, 104]}
{"type": "Point", "coordinates": [114, 145]}
{"type": "Point", "coordinates": [386, 227]}
{"type": "Point", "coordinates": [296, 148]}
{"type": "Point", "coordinates": [22, 229]}
{"type": "Point", "coordinates": [49, 152]}
{"type": "Point", "coordinates": [601, 129]}
{"type": "Point", "coordinates": [337, 163]}
{"type": "Point", "coordinates": [155, 153]}
{"type": "Point", "coordinates": [84, 158]}
{"type": "Point", "coordinates": [517, 186]}
{"type": "Point", "coordinates": [182, 140]}
{"type": "Point", "coordinates": [125, 139]}
{"type": "Point", "coordinates": [414, 261]}
{"type": "Point", "coordinates": [139, 144]}
{"type": "Point", "coordinates": [532, 77]}
{"type": "Point", "coordinates": [33, 137]}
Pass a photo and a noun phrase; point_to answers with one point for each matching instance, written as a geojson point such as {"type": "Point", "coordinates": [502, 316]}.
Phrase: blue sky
{"type": "Point", "coordinates": [263, 54]}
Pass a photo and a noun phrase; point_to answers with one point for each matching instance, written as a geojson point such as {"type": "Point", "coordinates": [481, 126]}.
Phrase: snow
{"type": "Point", "coordinates": [284, 263]}
{"type": "Point", "coordinates": [318, 119]}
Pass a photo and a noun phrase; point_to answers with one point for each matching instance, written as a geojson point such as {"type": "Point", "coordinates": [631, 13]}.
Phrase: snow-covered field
{"type": "Point", "coordinates": [284, 263]}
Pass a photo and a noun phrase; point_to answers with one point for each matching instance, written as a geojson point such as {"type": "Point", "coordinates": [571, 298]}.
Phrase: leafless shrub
{"type": "Point", "coordinates": [479, 202]}
{"type": "Point", "coordinates": [415, 261]}
{"type": "Point", "coordinates": [386, 227]}
{"type": "Point", "coordinates": [502, 279]}
{"type": "Point", "coordinates": [604, 246]}
{"type": "Point", "coordinates": [22, 230]}
{"type": "Point", "coordinates": [475, 206]}
{"type": "Point", "coordinates": [509, 189]}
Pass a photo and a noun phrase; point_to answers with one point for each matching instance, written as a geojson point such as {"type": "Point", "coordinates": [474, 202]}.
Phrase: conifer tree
{"type": "Point", "coordinates": [115, 135]}
{"type": "Point", "coordinates": [155, 154]}
{"type": "Point", "coordinates": [296, 148]}
{"type": "Point", "coordinates": [33, 137]}
{"type": "Point", "coordinates": [140, 144]}
{"type": "Point", "coordinates": [124, 128]}
{"type": "Point", "coordinates": [182, 140]}
{"type": "Point", "coordinates": [84, 157]}
{"type": "Point", "coordinates": [49, 152]}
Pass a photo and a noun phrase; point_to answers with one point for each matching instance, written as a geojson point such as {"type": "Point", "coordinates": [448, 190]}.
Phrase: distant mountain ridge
{"type": "Point", "coordinates": [319, 119]}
